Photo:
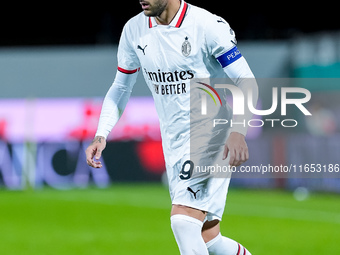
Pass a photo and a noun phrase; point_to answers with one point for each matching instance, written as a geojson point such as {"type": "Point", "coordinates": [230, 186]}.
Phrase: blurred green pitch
{"type": "Point", "coordinates": [134, 219]}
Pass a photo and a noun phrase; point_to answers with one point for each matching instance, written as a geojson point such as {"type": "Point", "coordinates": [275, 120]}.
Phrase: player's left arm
{"type": "Point", "coordinates": [221, 42]}
{"type": "Point", "coordinates": [236, 145]}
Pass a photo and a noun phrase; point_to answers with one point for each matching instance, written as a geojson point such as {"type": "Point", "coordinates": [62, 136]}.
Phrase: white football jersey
{"type": "Point", "coordinates": [196, 44]}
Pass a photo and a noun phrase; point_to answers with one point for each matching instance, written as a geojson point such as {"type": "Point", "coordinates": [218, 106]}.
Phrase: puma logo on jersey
{"type": "Point", "coordinates": [193, 192]}
{"type": "Point", "coordinates": [142, 49]}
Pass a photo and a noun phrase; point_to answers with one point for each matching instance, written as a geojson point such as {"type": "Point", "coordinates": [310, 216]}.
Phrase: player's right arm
{"type": "Point", "coordinates": [113, 106]}
{"type": "Point", "coordinates": [116, 98]}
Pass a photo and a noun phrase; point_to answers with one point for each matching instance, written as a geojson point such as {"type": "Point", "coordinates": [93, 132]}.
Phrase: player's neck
{"type": "Point", "coordinates": [169, 13]}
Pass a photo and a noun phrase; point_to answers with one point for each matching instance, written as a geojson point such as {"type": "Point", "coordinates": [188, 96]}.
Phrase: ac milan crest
{"type": "Point", "coordinates": [186, 47]}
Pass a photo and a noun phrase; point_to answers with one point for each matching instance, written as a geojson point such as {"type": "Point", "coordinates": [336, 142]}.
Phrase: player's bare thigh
{"type": "Point", "coordinates": [210, 229]}
{"type": "Point", "coordinates": [189, 211]}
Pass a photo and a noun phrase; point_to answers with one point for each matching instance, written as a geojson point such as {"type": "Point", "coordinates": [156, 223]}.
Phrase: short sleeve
{"type": "Point", "coordinates": [221, 41]}
{"type": "Point", "coordinates": [128, 61]}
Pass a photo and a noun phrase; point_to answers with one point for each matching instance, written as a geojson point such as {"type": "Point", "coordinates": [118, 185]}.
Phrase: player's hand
{"type": "Point", "coordinates": [237, 147]}
{"type": "Point", "coordinates": [94, 151]}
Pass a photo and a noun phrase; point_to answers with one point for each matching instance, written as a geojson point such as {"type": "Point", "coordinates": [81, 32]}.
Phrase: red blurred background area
{"type": "Point", "coordinates": [3, 125]}
{"type": "Point", "coordinates": [151, 155]}
{"type": "Point", "coordinates": [48, 137]}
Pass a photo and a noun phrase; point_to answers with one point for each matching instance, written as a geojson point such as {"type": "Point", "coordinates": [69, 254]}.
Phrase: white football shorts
{"type": "Point", "coordinates": [199, 189]}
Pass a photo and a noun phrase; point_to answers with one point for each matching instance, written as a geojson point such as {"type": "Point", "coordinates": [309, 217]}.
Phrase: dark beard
{"type": "Point", "coordinates": [157, 10]}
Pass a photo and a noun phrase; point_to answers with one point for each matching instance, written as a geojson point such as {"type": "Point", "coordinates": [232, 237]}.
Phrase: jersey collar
{"type": "Point", "coordinates": [177, 20]}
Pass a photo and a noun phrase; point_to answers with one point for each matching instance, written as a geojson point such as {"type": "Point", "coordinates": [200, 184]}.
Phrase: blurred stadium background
{"type": "Point", "coordinates": [56, 64]}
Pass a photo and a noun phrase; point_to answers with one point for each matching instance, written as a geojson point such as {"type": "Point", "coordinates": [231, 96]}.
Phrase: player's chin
{"type": "Point", "coordinates": [151, 12]}
{"type": "Point", "coordinates": [148, 13]}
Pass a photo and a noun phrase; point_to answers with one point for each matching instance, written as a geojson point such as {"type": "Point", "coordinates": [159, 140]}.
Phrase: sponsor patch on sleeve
{"type": "Point", "coordinates": [229, 57]}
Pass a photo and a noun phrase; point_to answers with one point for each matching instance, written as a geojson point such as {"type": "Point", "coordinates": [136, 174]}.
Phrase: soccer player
{"type": "Point", "coordinates": [172, 42]}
